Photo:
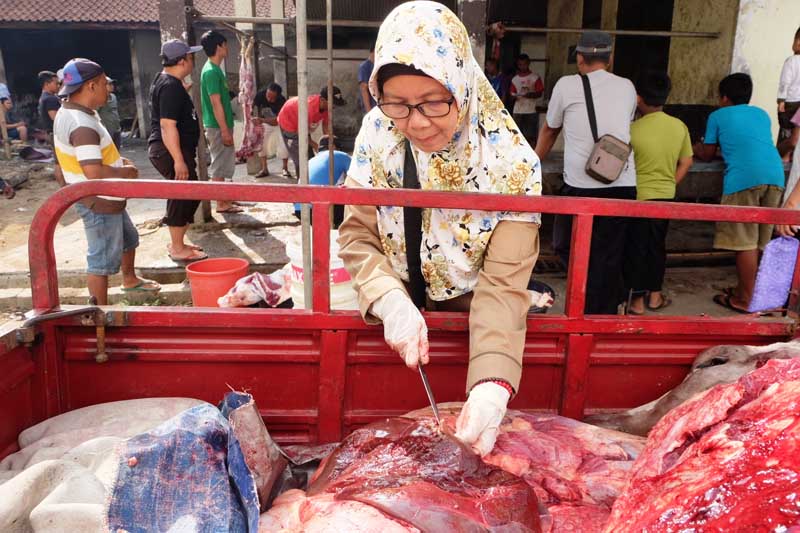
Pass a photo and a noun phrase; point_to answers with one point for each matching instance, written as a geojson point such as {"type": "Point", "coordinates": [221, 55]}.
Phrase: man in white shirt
{"type": "Point", "coordinates": [789, 91]}
{"type": "Point", "coordinates": [615, 104]}
{"type": "Point", "coordinates": [526, 89]}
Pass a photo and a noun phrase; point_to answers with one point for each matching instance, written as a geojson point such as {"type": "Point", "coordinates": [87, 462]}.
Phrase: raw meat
{"type": "Point", "coordinates": [253, 132]}
{"type": "Point", "coordinates": [273, 289]}
{"type": "Point", "coordinates": [403, 474]}
{"type": "Point", "coordinates": [402, 471]}
{"type": "Point", "coordinates": [577, 470]}
{"type": "Point", "coordinates": [727, 460]}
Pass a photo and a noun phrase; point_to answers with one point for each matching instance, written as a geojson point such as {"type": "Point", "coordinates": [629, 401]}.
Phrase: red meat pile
{"type": "Point", "coordinates": [727, 460]}
{"type": "Point", "coordinates": [403, 475]}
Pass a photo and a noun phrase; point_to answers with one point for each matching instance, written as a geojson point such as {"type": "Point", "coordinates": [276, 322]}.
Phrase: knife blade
{"type": "Point", "coordinates": [429, 392]}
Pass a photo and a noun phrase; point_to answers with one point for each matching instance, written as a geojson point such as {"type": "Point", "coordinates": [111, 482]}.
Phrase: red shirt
{"type": "Point", "coordinates": [287, 117]}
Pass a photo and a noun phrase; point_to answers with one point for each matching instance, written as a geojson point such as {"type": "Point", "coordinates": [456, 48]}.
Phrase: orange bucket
{"type": "Point", "coordinates": [212, 278]}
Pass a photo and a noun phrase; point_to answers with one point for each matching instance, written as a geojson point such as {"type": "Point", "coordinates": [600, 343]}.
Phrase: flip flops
{"type": "Point", "coordinates": [665, 302]}
{"type": "Point", "coordinates": [197, 255]}
{"type": "Point", "coordinates": [144, 285]}
{"type": "Point", "coordinates": [725, 301]}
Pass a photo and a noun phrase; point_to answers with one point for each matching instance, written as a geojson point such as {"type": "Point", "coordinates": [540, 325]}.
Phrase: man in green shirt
{"type": "Point", "coordinates": [217, 114]}
{"type": "Point", "coordinates": [663, 153]}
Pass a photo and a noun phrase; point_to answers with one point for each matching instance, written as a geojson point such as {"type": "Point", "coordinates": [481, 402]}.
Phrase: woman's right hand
{"type": "Point", "coordinates": [404, 327]}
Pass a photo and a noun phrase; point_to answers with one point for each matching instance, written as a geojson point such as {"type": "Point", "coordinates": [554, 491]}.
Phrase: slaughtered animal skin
{"type": "Point", "coordinates": [713, 366]}
{"type": "Point", "coordinates": [727, 460]}
{"type": "Point", "coordinates": [547, 473]}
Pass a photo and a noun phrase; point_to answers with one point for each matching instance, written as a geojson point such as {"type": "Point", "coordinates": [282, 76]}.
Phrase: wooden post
{"type": "Point", "coordinates": [4, 131]}
{"type": "Point", "coordinates": [175, 22]}
{"type": "Point", "coordinates": [138, 90]}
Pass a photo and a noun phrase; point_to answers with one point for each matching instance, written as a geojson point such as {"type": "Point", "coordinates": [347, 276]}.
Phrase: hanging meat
{"type": "Point", "coordinates": [253, 132]}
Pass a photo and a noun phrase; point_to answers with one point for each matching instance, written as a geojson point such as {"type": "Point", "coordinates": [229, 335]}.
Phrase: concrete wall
{"type": "Point", "coordinates": [696, 64]}
{"type": "Point", "coordinates": [764, 36]}
{"type": "Point", "coordinates": [145, 63]}
{"type": "Point", "coordinates": [561, 14]}
{"type": "Point", "coordinates": [347, 119]}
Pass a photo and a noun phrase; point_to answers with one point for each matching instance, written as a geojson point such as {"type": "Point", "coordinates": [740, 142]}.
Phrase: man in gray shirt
{"type": "Point", "coordinates": [615, 104]}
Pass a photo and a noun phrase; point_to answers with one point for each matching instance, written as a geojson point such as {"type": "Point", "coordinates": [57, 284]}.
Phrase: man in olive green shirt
{"type": "Point", "coordinates": [217, 114]}
{"type": "Point", "coordinates": [663, 153]}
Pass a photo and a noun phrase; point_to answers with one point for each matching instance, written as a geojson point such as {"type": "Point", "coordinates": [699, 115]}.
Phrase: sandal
{"type": "Point", "coordinates": [725, 301]}
{"type": "Point", "coordinates": [286, 174]}
{"type": "Point", "coordinates": [196, 255]}
{"type": "Point", "coordinates": [262, 174]}
{"type": "Point", "coordinates": [665, 302]}
{"type": "Point", "coordinates": [144, 285]}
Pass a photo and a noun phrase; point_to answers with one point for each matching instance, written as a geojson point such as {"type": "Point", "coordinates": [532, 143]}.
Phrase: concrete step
{"type": "Point", "coordinates": [76, 279]}
{"type": "Point", "coordinates": [170, 294]}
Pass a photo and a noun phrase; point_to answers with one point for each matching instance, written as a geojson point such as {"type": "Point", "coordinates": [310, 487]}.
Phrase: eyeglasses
{"type": "Point", "coordinates": [433, 109]}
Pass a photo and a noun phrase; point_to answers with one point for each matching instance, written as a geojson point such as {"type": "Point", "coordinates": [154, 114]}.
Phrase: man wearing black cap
{"type": "Point", "coordinates": [172, 146]}
{"type": "Point", "coordinates": [615, 105]}
{"type": "Point", "coordinates": [85, 151]}
{"type": "Point", "coordinates": [317, 112]}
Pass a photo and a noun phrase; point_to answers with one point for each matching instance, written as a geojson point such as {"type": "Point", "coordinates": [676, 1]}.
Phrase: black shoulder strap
{"type": "Point", "coordinates": [587, 92]}
{"type": "Point", "coordinates": [412, 225]}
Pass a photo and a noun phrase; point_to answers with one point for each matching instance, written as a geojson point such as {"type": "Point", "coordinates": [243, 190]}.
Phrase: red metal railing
{"type": "Point", "coordinates": [44, 277]}
{"type": "Point", "coordinates": [573, 362]}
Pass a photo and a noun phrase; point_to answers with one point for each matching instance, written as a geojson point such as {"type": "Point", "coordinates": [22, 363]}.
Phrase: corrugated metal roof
{"type": "Point", "coordinates": [117, 11]}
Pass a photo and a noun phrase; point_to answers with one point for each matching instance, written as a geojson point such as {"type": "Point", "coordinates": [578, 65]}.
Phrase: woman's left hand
{"type": "Point", "coordinates": [479, 422]}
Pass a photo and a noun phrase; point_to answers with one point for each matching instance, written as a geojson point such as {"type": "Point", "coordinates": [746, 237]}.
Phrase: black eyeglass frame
{"type": "Point", "coordinates": [418, 107]}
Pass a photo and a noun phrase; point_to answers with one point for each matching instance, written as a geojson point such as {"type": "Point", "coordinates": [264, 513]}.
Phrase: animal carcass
{"type": "Point", "coordinates": [714, 366]}
{"type": "Point", "coordinates": [546, 473]}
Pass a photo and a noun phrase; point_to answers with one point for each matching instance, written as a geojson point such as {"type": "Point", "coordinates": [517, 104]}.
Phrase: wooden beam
{"type": "Point", "coordinates": [138, 90]}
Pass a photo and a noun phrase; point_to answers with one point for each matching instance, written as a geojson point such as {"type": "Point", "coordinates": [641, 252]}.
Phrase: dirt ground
{"type": "Point", "coordinates": [260, 234]}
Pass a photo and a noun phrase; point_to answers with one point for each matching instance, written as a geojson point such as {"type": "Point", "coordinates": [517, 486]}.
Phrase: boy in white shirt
{"type": "Point", "coordinates": [526, 89]}
{"type": "Point", "coordinates": [789, 91]}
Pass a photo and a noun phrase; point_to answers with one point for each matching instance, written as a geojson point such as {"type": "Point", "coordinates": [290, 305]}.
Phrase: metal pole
{"type": "Point", "coordinates": [644, 33]}
{"type": "Point", "coordinates": [302, 141]}
{"type": "Point", "coordinates": [331, 144]}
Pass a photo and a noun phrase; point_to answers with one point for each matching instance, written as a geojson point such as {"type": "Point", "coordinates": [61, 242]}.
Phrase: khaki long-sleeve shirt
{"type": "Point", "coordinates": [499, 302]}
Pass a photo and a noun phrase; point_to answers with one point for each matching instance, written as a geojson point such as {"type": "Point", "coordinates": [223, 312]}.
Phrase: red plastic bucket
{"type": "Point", "coordinates": [212, 278]}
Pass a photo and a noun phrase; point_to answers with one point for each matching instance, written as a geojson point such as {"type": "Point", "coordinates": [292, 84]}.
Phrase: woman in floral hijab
{"type": "Point", "coordinates": [437, 114]}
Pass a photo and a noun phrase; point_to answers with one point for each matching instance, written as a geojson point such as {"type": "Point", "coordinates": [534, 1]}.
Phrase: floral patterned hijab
{"type": "Point", "coordinates": [486, 154]}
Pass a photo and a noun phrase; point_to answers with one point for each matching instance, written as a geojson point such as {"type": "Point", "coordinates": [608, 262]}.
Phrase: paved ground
{"type": "Point", "coordinates": [259, 235]}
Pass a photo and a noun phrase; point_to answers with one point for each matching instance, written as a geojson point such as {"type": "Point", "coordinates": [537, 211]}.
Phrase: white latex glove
{"type": "Point", "coordinates": [479, 422]}
{"type": "Point", "coordinates": [404, 328]}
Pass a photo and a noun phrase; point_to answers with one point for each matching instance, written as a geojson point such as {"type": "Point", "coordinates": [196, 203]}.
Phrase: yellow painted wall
{"type": "Point", "coordinates": [764, 38]}
{"type": "Point", "coordinates": [697, 64]}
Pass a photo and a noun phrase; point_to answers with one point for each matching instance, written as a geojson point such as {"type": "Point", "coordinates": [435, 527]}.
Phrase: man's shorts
{"type": "Point", "coordinates": [273, 143]}
{"type": "Point", "coordinates": [742, 236]}
{"type": "Point", "coordinates": [108, 237]}
{"type": "Point", "coordinates": [223, 158]}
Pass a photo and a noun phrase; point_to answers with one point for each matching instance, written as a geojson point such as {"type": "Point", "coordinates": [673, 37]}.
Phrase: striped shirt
{"type": "Point", "coordinates": [80, 138]}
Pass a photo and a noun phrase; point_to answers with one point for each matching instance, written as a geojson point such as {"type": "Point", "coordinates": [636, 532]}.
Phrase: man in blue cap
{"type": "Point", "coordinates": [85, 151]}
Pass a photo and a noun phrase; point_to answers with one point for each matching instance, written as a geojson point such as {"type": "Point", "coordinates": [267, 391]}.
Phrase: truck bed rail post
{"type": "Point", "coordinates": [578, 270]}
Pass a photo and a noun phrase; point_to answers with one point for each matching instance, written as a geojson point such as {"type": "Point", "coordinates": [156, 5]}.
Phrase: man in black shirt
{"type": "Point", "coordinates": [173, 141]}
{"type": "Point", "coordinates": [48, 101]}
{"type": "Point", "coordinates": [269, 103]}
{"type": "Point", "coordinates": [49, 105]}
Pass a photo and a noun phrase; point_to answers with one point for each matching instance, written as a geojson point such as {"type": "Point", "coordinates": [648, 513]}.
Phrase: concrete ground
{"type": "Point", "coordinates": [259, 234]}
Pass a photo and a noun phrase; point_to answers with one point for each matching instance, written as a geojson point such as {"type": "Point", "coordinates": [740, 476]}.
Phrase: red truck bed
{"type": "Point", "coordinates": [316, 374]}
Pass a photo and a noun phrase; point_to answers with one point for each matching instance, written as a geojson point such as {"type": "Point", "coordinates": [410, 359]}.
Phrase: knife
{"type": "Point", "coordinates": [429, 392]}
